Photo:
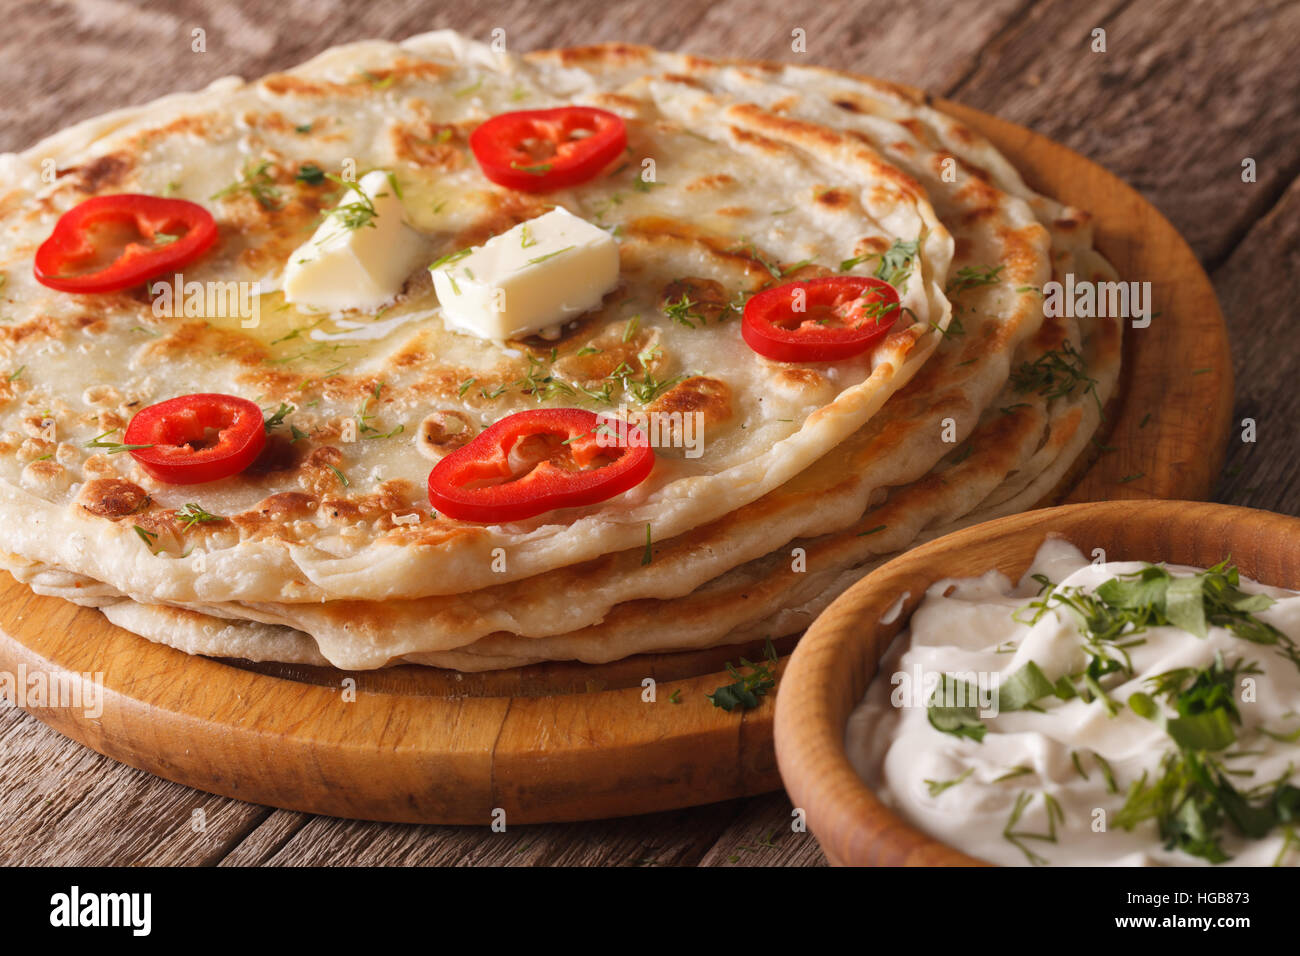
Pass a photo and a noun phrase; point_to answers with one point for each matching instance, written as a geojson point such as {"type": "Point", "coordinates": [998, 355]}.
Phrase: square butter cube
{"type": "Point", "coordinates": [539, 274]}
{"type": "Point", "coordinates": [357, 266]}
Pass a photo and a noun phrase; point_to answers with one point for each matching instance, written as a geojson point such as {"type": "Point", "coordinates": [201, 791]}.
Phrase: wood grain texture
{"type": "Point", "coordinates": [656, 839]}
{"type": "Point", "coordinates": [60, 62]}
{"type": "Point", "coordinates": [838, 657]}
{"type": "Point", "coordinates": [1184, 92]}
{"type": "Point", "coordinates": [73, 806]}
{"type": "Point", "coordinates": [1259, 286]}
{"type": "Point", "coordinates": [766, 834]}
{"type": "Point", "coordinates": [69, 61]}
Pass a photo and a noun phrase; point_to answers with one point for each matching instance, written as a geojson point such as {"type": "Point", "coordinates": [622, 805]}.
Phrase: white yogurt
{"type": "Point", "coordinates": [967, 625]}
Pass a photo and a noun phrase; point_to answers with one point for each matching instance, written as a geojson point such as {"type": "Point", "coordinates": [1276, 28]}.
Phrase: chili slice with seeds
{"type": "Point", "coordinates": [536, 461]}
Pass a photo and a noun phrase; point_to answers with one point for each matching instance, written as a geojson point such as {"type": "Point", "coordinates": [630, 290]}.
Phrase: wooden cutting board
{"type": "Point", "coordinates": [571, 741]}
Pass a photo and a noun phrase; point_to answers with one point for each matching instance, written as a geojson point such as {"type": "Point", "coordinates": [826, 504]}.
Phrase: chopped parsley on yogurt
{"type": "Point", "coordinates": [1095, 713]}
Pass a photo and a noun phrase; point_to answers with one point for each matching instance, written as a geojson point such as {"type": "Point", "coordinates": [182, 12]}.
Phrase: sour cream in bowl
{"type": "Point", "coordinates": [1100, 684]}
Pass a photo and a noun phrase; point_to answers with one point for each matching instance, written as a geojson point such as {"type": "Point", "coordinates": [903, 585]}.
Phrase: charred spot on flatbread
{"type": "Point", "coordinates": [109, 171]}
{"type": "Point", "coordinates": [615, 350]}
{"type": "Point", "coordinates": [694, 299]}
{"type": "Point", "coordinates": [707, 401]}
{"type": "Point", "coordinates": [442, 432]}
{"type": "Point", "coordinates": [280, 454]}
{"type": "Point", "coordinates": [113, 497]}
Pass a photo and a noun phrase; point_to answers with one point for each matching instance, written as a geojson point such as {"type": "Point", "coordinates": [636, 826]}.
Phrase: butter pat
{"type": "Point", "coordinates": [361, 255]}
{"type": "Point", "coordinates": [537, 275]}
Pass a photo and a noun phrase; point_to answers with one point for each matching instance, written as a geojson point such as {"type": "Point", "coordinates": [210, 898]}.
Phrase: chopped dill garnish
{"type": "Point", "coordinates": [536, 169]}
{"type": "Point", "coordinates": [549, 255]}
{"type": "Point", "coordinates": [746, 689]}
{"type": "Point", "coordinates": [1017, 837]}
{"type": "Point", "coordinates": [193, 514]}
{"type": "Point", "coordinates": [277, 419]}
{"type": "Point", "coordinates": [972, 277]}
{"type": "Point", "coordinates": [937, 787]}
{"type": "Point", "coordinates": [1055, 374]}
{"type": "Point", "coordinates": [256, 181]}
{"type": "Point", "coordinates": [311, 174]}
{"type": "Point", "coordinates": [895, 265]}
{"type": "Point", "coordinates": [113, 448]}
{"type": "Point", "coordinates": [450, 258]}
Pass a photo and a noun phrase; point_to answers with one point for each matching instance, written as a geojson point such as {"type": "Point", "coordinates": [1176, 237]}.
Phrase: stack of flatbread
{"type": "Point", "coordinates": [738, 176]}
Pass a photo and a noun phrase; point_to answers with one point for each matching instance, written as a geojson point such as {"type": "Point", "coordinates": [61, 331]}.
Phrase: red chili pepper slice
{"type": "Point", "coordinates": [109, 243]}
{"type": "Point", "coordinates": [841, 316]}
{"type": "Point", "coordinates": [196, 438]}
{"type": "Point", "coordinates": [540, 150]}
{"type": "Point", "coordinates": [536, 461]}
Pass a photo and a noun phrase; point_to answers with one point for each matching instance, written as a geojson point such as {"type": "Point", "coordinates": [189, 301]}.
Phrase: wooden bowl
{"type": "Point", "coordinates": [833, 664]}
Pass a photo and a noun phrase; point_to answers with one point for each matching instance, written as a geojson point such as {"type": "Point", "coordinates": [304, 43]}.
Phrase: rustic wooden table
{"type": "Point", "coordinates": [1185, 92]}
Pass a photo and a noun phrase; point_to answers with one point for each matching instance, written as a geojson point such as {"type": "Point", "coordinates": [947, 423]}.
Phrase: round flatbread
{"type": "Point", "coordinates": [1012, 448]}
{"type": "Point", "coordinates": [741, 198]}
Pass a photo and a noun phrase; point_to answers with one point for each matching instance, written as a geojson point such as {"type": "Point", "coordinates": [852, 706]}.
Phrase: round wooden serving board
{"type": "Point", "coordinates": [572, 741]}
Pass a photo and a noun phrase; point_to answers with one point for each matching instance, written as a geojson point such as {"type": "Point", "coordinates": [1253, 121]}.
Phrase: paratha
{"type": "Point", "coordinates": [1020, 450]}
{"type": "Point", "coordinates": [1025, 444]}
{"type": "Point", "coordinates": [314, 520]}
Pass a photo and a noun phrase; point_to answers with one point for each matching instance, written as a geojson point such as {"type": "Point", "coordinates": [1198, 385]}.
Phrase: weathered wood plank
{"type": "Point", "coordinates": [762, 836]}
{"type": "Point", "coordinates": [678, 838]}
{"type": "Point", "coordinates": [1183, 94]}
{"type": "Point", "coordinates": [266, 839]}
{"type": "Point", "coordinates": [892, 40]}
{"type": "Point", "coordinates": [68, 62]}
{"type": "Point", "coordinates": [1259, 286]}
{"type": "Point", "coordinates": [113, 54]}
{"type": "Point", "coordinates": [66, 804]}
